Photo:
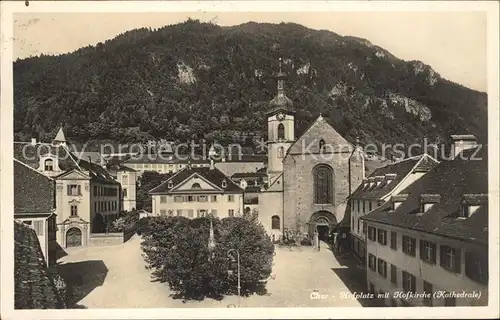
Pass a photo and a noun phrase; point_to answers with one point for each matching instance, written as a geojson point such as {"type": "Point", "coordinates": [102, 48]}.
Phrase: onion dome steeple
{"type": "Point", "coordinates": [280, 102]}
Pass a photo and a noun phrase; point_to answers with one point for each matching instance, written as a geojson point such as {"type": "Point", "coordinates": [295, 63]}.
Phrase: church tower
{"type": "Point", "coordinates": [356, 167]}
{"type": "Point", "coordinates": [280, 124]}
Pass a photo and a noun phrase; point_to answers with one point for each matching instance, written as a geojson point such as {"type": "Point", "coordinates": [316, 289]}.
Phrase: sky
{"type": "Point", "coordinates": [453, 43]}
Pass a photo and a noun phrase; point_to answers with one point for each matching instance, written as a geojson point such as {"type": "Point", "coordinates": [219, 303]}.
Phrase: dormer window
{"type": "Point", "coordinates": [427, 201]}
{"type": "Point", "coordinates": [170, 184]}
{"type": "Point", "coordinates": [471, 203]}
{"type": "Point", "coordinates": [389, 177]}
{"type": "Point", "coordinates": [397, 200]}
{"type": "Point", "coordinates": [224, 183]}
{"type": "Point", "coordinates": [48, 165]}
{"type": "Point", "coordinates": [379, 180]}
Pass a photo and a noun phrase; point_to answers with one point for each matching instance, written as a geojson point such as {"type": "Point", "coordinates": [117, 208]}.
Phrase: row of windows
{"type": "Point", "coordinates": [408, 279]}
{"type": "Point", "coordinates": [190, 213]}
{"type": "Point", "coordinates": [476, 265]}
{"type": "Point", "coordinates": [157, 166]}
{"type": "Point", "coordinates": [101, 191]}
{"type": "Point", "coordinates": [104, 206]}
{"type": "Point", "coordinates": [201, 198]}
{"type": "Point", "coordinates": [363, 206]}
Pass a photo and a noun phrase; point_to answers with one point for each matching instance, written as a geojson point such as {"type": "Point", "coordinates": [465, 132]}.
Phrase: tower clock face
{"type": "Point", "coordinates": [280, 116]}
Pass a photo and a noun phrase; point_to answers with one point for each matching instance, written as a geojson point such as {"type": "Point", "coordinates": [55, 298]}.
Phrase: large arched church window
{"type": "Point", "coordinates": [281, 131]}
{"type": "Point", "coordinates": [323, 184]}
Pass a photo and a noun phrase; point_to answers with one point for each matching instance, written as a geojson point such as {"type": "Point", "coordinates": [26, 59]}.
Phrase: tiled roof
{"type": "Point", "coordinates": [451, 180]}
{"type": "Point", "coordinates": [34, 286]}
{"type": "Point", "coordinates": [252, 189]}
{"type": "Point", "coordinates": [97, 173]}
{"type": "Point", "coordinates": [172, 159]}
{"type": "Point", "coordinates": [398, 171]}
{"type": "Point", "coordinates": [33, 191]}
{"type": "Point", "coordinates": [249, 175]}
{"type": "Point", "coordinates": [30, 154]}
{"type": "Point", "coordinates": [91, 156]}
{"type": "Point", "coordinates": [214, 176]}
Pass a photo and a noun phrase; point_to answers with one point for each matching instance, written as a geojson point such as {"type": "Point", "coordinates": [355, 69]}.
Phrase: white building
{"type": "Point", "coordinates": [432, 238]}
{"type": "Point", "coordinates": [198, 192]}
{"type": "Point", "coordinates": [85, 193]}
{"type": "Point", "coordinates": [377, 189]}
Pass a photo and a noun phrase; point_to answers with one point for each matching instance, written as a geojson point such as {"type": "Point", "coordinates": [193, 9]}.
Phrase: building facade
{"type": "Point", "coordinates": [86, 196]}
{"type": "Point", "coordinates": [34, 206]}
{"type": "Point", "coordinates": [198, 192]}
{"type": "Point", "coordinates": [431, 240]}
{"type": "Point", "coordinates": [377, 189]}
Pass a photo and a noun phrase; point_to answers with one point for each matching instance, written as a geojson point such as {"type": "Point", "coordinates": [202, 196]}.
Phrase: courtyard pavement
{"type": "Point", "coordinates": [116, 277]}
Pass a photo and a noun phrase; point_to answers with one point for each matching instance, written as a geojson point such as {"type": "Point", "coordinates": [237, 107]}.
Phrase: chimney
{"type": "Point", "coordinates": [90, 159]}
{"type": "Point", "coordinates": [212, 167]}
{"type": "Point", "coordinates": [462, 142]}
{"type": "Point", "coordinates": [33, 141]}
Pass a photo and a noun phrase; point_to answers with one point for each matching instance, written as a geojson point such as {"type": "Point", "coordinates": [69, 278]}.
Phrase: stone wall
{"type": "Point", "coordinates": [299, 189]}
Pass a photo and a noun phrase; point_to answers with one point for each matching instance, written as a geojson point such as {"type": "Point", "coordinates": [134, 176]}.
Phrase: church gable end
{"type": "Point", "coordinates": [320, 135]}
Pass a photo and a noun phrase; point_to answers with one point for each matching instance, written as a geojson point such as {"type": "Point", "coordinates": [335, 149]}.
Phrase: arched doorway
{"type": "Point", "coordinates": [322, 222]}
{"type": "Point", "coordinates": [323, 228]}
{"type": "Point", "coordinates": [73, 237]}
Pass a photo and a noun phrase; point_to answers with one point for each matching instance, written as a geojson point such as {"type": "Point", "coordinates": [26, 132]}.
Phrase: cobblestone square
{"type": "Point", "coordinates": [116, 277]}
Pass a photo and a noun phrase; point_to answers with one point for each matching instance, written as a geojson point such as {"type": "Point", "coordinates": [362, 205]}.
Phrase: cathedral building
{"type": "Point", "coordinates": [310, 177]}
{"type": "Point", "coordinates": [304, 186]}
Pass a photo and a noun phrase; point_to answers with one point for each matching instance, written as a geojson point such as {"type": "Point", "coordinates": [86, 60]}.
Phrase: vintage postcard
{"type": "Point", "coordinates": [249, 159]}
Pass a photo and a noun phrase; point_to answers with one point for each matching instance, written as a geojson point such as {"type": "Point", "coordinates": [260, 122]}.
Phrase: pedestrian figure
{"type": "Point", "coordinates": [335, 241]}
{"type": "Point", "coordinates": [316, 239]}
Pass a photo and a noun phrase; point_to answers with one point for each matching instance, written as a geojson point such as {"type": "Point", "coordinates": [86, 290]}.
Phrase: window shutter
{"type": "Point", "coordinates": [458, 261]}
{"type": "Point", "coordinates": [434, 249]}
{"type": "Point", "coordinates": [441, 256]}
{"type": "Point", "coordinates": [68, 187]}
{"type": "Point", "coordinates": [422, 250]}
{"type": "Point", "coordinates": [79, 190]}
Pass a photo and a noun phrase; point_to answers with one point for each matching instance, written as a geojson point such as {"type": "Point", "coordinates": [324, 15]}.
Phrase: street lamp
{"type": "Point", "coordinates": [230, 253]}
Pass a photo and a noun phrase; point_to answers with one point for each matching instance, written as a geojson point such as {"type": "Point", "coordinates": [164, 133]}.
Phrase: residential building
{"type": "Point", "coordinates": [35, 206]}
{"type": "Point", "coordinates": [198, 192]}
{"type": "Point", "coordinates": [86, 195]}
{"type": "Point", "coordinates": [127, 177]}
{"type": "Point", "coordinates": [377, 189]}
{"type": "Point", "coordinates": [432, 238]}
{"type": "Point", "coordinates": [169, 163]}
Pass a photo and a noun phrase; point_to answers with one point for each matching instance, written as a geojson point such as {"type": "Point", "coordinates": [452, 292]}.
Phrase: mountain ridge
{"type": "Point", "coordinates": [198, 80]}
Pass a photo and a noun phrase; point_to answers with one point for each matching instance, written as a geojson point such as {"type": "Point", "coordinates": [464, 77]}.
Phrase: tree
{"type": "Point", "coordinates": [147, 181]}
{"type": "Point", "coordinates": [176, 249]}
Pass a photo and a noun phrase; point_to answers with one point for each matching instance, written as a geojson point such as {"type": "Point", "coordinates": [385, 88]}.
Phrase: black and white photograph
{"type": "Point", "coordinates": [295, 159]}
